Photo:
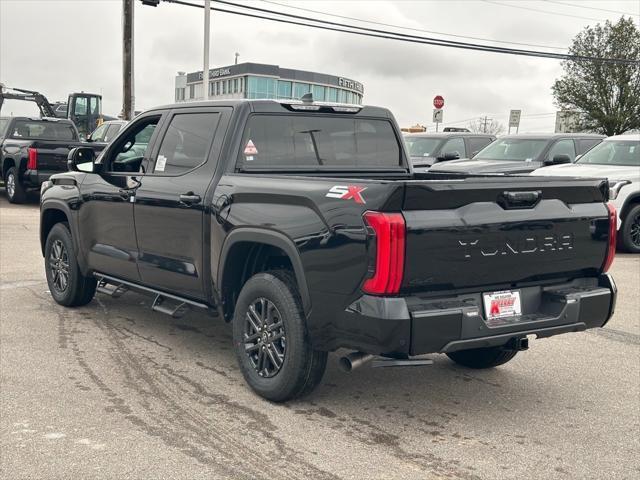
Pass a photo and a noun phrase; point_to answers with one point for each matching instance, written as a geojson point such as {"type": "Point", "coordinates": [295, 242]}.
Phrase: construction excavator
{"type": "Point", "coordinates": [83, 109]}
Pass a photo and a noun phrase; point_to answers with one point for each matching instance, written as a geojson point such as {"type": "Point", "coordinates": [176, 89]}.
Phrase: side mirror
{"type": "Point", "coordinates": [81, 159]}
{"type": "Point", "coordinates": [448, 156]}
{"type": "Point", "coordinates": [558, 159]}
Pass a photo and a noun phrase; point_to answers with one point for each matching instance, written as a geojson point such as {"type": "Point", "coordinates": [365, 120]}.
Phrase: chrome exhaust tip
{"type": "Point", "coordinates": [354, 360]}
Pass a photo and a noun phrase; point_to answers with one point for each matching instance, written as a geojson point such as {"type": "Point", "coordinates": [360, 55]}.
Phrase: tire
{"type": "Point", "coordinates": [16, 192]}
{"type": "Point", "coordinates": [482, 357]}
{"type": "Point", "coordinates": [629, 234]}
{"type": "Point", "coordinates": [67, 285]}
{"type": "Point", "coordinates": [281, 338]}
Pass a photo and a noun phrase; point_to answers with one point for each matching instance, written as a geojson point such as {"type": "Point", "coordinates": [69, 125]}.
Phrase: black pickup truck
{"type": "Point", "coordinates": [33, 149]}
{"type": "Point", "coordinates": [305, 225]}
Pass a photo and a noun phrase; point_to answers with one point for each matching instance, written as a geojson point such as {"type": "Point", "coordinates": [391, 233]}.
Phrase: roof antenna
{"type": "Point", "coordinates": [307, 98]}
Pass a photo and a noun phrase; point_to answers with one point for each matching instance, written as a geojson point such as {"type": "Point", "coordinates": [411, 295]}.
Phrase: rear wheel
{"type": "Point", "coordinates": [67, 285]}
{"type": "Point", "coordinates": [270, 339]}
{"type": "Point", "coordinates": [629, 234]}
{"type": "Point", "coordinates": [16, 192]}
{"type": "Point", "coordinates": [482, 357]}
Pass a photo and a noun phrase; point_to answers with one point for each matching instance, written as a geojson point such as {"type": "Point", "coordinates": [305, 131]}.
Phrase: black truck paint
{"type": "Point", "coordinates": [202, 234]}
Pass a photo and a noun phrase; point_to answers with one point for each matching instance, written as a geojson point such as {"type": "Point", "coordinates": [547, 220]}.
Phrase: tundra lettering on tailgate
{"type": "Point", "coordinates": [509, 246]}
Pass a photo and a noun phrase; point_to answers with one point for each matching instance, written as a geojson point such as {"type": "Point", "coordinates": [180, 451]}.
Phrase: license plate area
{"type": "Point", "coordinates": [499, 306]}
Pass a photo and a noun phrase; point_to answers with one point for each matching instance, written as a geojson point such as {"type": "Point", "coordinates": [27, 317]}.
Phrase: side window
{"type": "Point", "coordinates": [130, 150]}
{"type": "Point", "coordinates": [98, 133]}
{"type": "Point", "coordinates": [454, 145]}
{"type": "Point", "coordinates": [478, 143]}
{"type": "Point", "coordinates": [563, 147]}
{"type": "Point", "coordinates": [111, 132]}
{"type": "Point", "coordinates": [186, 143]}
{"type": "Point", "coordinates": [586, 144]}
{"type": "Point", "coordinates": [95, 109]}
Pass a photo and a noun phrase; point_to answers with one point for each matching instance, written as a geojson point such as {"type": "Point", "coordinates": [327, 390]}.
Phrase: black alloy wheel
{"type": "Point", "coordinates": [634, 230]}
{"type": "Point", "coordinates": [59, 266]}
{"type": "Point", "coordinates": [629, 233]}
{"type": "Point", "coordinates": [264, 337]}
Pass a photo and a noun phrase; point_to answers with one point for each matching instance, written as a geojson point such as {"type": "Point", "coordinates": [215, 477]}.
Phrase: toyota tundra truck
{"type": "Point", "coordinates": [304, 225]}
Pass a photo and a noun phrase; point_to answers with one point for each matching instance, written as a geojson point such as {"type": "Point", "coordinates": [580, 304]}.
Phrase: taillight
{"type": "Point", "coordinates": [32, 163]}
{"type": "Point", "coordinates": [389, 231]}
{"type": "Point", "coordinates": [611, 244]}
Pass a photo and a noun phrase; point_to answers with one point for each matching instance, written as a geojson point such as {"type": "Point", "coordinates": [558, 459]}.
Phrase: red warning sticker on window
{"type": "Point", "coordinates": [250, 148]}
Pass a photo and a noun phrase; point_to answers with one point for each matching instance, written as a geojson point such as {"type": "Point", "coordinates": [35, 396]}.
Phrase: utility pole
{"type": "Point", "coordinates": [207, 35]}
{"type": "Point", "coordinates": [127, 60]}
{"type": "Point", "coordinates": [484, 124]}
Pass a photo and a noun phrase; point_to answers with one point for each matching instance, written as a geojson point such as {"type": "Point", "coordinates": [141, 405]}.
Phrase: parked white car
{"type": "Point", "coordinates": [617, 159]}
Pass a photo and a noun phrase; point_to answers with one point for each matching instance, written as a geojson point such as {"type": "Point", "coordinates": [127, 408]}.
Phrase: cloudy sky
{"type": "Point", "coordinates": [60, 46]}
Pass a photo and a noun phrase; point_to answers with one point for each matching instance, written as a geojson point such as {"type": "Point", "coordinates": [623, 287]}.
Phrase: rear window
{"type": "Point", "coordinates": [288, 141]}
{"type": "Point", "coordinates": [35, 130]}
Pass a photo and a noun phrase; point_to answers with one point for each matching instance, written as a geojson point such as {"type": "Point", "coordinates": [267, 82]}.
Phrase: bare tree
{"type": "Point", "coordinates": [486, 125]}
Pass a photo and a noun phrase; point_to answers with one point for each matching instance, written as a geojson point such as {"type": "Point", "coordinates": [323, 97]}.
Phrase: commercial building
{"type": "Point", "coordinates": [257, 80]}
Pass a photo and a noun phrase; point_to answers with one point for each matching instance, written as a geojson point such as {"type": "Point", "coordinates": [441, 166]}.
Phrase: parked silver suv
{"type": "Point", "coordinates": [617, 159]}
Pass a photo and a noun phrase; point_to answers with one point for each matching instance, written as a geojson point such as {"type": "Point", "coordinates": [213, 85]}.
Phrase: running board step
{"type": "Point", "coordinates": [171, 307]}
{"type": "Point", "coordinates": [114, 290]}
{"type": "Point", "coordinates": [166, 303]}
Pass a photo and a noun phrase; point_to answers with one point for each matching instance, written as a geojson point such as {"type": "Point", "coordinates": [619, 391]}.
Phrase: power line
{"type": "Point", "coordinates": [542, 11]}
{"type": "Point", "coordinates": [367, 32]}
{"type": "Point", "coordinates": [591, 8]}
{"type": "Point", "coordinates": [410, 28]}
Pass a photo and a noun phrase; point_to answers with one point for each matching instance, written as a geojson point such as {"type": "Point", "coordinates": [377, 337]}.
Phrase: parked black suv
{"type": "Point", "coordinates": [524, 153]}
{"type": "Point", "coordinates": [426, 149]}
{"type": "Point", "coordinates": [305, 226]}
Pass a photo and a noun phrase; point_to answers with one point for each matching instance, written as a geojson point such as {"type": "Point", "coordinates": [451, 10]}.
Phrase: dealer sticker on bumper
{"type": "Point", "coordinates": [502, 304]}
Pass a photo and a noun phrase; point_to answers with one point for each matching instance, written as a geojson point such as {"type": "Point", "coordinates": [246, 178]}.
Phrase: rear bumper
{"type": "Point", "coordinates": [35, 178]}
{"type": "Point", "coordinates": [416, 325]}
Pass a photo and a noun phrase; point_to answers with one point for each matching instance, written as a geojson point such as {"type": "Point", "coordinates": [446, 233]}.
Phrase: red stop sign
{"type": "Point", "coordinates": [438, 101]}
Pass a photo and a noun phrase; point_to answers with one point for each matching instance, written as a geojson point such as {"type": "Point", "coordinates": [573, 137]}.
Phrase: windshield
{"type": "Point", "coordinates": [422, 146]}
{"type": "Point", "coordinates": [516, 149]}
{"type": "Point", "coordinates": [618, 152]}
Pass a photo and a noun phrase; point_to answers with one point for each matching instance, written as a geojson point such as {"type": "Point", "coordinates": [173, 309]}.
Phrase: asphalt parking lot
{"type": "Point", "coordinates": [114, 390]}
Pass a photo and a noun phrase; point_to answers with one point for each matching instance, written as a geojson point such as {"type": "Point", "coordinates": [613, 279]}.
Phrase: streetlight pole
{"type": "Point", "coordinates": [207, 35]}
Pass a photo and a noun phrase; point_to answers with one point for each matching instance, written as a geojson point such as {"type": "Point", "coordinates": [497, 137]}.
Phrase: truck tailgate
{"type": "Point", "coordinates": [502, 231]}
{"type": "Point", "coordinates": [52, 154]}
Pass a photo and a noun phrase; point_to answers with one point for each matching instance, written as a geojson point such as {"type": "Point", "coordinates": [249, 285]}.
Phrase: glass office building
{"type": "Point", "coordinates": [257, 80]}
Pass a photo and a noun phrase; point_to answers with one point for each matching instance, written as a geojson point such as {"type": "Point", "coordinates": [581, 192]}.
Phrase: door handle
{"type": "Point", "coordinates": [516, 200]}
{"type": "Point", "coordinates": [190, 198]}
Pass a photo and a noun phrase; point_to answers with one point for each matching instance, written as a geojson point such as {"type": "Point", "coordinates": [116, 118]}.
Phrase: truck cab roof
{"type": "Point", "coordinates": [279, 106]}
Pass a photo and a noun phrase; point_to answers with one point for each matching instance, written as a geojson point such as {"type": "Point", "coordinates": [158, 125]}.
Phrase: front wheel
{"type": "Point", "coordinates": [629, 234]}
{"type": "Point", "coordinates": [270, 339]}
{"type": "Point", "coordinates": [482, 357]}
{"type": "Point", "coordinates": [66, 283]}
